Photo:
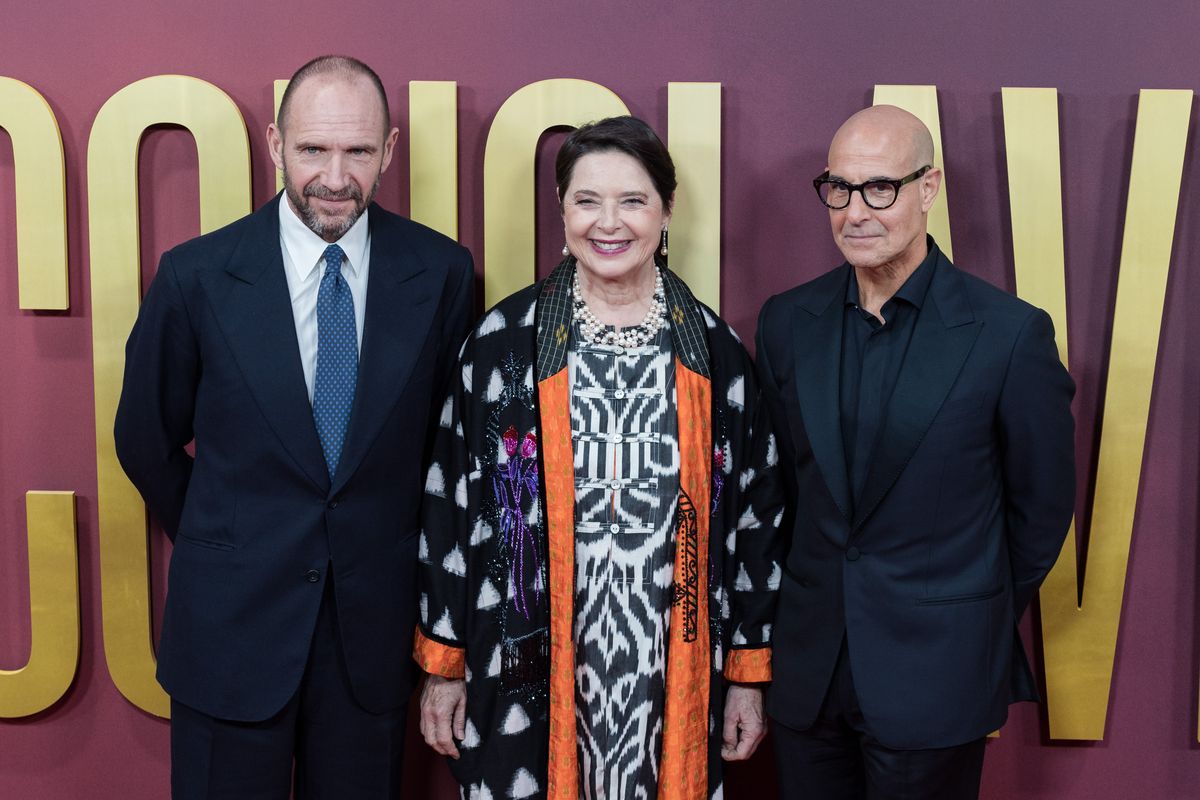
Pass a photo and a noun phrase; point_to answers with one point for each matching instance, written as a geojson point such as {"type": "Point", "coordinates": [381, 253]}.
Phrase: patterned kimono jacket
{"type": "Point", "coordinates": [497, 547]}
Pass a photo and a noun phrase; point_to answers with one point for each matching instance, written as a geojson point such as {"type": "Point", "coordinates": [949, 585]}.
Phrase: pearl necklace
{"type": "Point", "coordinates": [596, 332]}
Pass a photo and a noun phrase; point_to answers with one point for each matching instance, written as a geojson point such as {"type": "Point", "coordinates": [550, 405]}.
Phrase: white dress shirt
{"type": "Point", "coordinates": [304, 264]}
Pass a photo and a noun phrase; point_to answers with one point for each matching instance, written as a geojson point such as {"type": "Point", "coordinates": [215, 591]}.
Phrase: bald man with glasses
{"type": "Point", "coordinates": [924, 424]}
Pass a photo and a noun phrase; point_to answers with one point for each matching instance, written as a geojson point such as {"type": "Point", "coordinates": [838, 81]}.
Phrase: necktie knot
{"type": "Point", "coordinates": [334, 255]}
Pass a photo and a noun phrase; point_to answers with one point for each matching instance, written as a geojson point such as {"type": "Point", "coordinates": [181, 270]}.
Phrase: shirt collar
{"type": "Point", "coordinates": [307, 249]}
{"type": "Point", "coordinates": [914, 288]}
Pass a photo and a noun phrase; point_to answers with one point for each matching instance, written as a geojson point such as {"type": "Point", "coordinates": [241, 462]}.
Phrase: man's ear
{"type": "Point", "coordinates": [389, 144]}
{"type": "Point", "coordinates": [275, 144]}
{"type": "Point", "coordinates": [931, 184]}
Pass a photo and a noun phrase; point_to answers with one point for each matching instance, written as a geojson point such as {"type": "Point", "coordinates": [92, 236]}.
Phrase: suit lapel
{"type": "Point", "coordinates": [251, 301]}
{"type": "Point", "coordinates": [399, 319]}
{"type": "Point", "coordinates": [945, 331]}
{"type": "Point", "coordinates": [818, 347]}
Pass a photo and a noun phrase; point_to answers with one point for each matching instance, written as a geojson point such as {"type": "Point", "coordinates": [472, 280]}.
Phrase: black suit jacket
{"type": "Point", "coordinates": [964, 511]}
{"type": "Point", "coordinates": [255, 518]}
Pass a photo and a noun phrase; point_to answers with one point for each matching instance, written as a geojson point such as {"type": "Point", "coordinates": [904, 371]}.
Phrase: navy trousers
{"type": "Point", "coordinates": [837, 758]}
{"type": "Point", "coordinates": [322, 739]}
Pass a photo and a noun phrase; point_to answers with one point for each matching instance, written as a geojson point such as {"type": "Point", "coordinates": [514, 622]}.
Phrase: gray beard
{"type": "Point", "coordinates": [331, 230]}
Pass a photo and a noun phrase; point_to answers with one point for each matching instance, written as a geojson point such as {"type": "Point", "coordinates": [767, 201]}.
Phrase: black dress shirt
{"type": "Point", "coordinates": [872, 354]}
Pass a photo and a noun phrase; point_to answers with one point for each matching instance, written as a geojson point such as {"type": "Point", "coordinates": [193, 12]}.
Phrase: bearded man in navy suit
{"type": "Point", "coordinates": [924, 427]}
{"type": "Point", "coordinates": [305, 349]}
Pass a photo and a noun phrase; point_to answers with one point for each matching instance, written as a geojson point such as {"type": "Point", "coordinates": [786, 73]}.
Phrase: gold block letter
{"type": "Point", "coordinates": [922, 101]}
{"type": "Point", "coordinates": [509, 247]}
{"type": "Point", "coordinates": [53, 608]}
{"type": "Point", "coordinates": [1080, 638]}
{"type": "Point", "coordinates": [224, 165]}
{"type": "Point", "coordinates": [433, 154]}
{"type": "Point", "coordinates": [280, 88]}
{"type": "Point", "coordinates": [1035, 202]}
{"type": "Point", "coordinates": [694, 125]}
{"type": "Point", "coordinates": [41, 197]}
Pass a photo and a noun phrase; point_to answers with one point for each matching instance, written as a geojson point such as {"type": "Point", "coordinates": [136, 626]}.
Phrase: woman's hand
{"type": "Point", "coordinates": [444, 712]}
{"type": "Point", "coordinates": [744, 723]}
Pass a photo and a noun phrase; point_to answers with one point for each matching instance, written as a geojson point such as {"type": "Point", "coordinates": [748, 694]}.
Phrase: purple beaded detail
{"type": "Point", "coordinates": [512, 482]}
{"type": "Point", "coordinates": [718, 476]}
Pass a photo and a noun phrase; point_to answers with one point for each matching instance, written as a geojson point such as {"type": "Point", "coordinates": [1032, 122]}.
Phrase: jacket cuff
{"type": "Point", "coordinates": [748, 665]}
{"type": "Point", "coordinates": [437, 658]}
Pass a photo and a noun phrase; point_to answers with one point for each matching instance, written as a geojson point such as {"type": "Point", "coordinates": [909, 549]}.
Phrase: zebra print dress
{"type": "Point", "coordinates": [497, 551]}
{"type": "Point", "coordinates": [623, 430]}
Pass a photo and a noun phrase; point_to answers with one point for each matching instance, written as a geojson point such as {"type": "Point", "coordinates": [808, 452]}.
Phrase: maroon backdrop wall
{"type": "Point", "coordinates": [791, 71]}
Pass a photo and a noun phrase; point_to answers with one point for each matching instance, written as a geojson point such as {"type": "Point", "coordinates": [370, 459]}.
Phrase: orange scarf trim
{"type": "Point", "coordinates": [684, 771]}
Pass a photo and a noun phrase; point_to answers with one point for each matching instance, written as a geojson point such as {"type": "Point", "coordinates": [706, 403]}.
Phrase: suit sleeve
{"type": "Point", "coordinates": [457, 315]}
{"type": "Point", "coordinates": [1037, 437]}
{"type": "Point", "coordinates": [158, 397]}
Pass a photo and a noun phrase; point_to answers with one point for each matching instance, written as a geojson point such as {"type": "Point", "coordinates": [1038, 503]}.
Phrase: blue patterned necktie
{"type": "Point", "coordinates": [337, 358]}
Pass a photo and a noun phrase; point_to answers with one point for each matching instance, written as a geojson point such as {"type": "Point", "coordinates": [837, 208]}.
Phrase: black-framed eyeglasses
{"type": "Point", "coordinates": [878, 194]}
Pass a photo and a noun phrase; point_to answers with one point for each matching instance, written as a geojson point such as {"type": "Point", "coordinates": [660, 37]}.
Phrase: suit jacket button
{"type": "Point", "coordinates": [312, 576]}
{"type": "Point", "coordinates": [852, 554]}
{"type": "Point", "coordinates": [333, 503]}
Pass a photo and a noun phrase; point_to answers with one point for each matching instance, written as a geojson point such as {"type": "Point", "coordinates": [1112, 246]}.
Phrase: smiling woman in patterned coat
{"type": "Point", "coordinates": [599, 545]}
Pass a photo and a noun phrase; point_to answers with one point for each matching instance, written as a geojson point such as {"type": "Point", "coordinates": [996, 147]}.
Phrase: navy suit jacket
{"type": "Point", "coordinates": [967, 501]}
{"type": "Point", "coordinates": [255, 518]}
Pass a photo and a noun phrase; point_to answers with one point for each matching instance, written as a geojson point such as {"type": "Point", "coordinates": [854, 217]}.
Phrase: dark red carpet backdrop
{"type": "Point", "coordinates": [790, 72]}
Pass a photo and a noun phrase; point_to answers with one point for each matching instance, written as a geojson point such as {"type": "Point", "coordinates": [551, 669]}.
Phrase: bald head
{"type": "Point", "coordinates": [337, 143]}
{"type": "Point", "coordinates": [878, 146]}
{"type": "Point", "coordinates": [343, 68]}
{"type": "Point", "coordinates": [888, 128]}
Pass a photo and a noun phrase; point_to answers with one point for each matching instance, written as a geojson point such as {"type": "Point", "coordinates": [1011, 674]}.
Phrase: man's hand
{"type": "Point", "coordinates": [444, 711]}
{"type": "Point", "coordinates": [744, 724]}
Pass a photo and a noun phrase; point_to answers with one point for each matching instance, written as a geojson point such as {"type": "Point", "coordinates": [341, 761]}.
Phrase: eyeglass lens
{"type": "Point", "coordinates": [877, 195]}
